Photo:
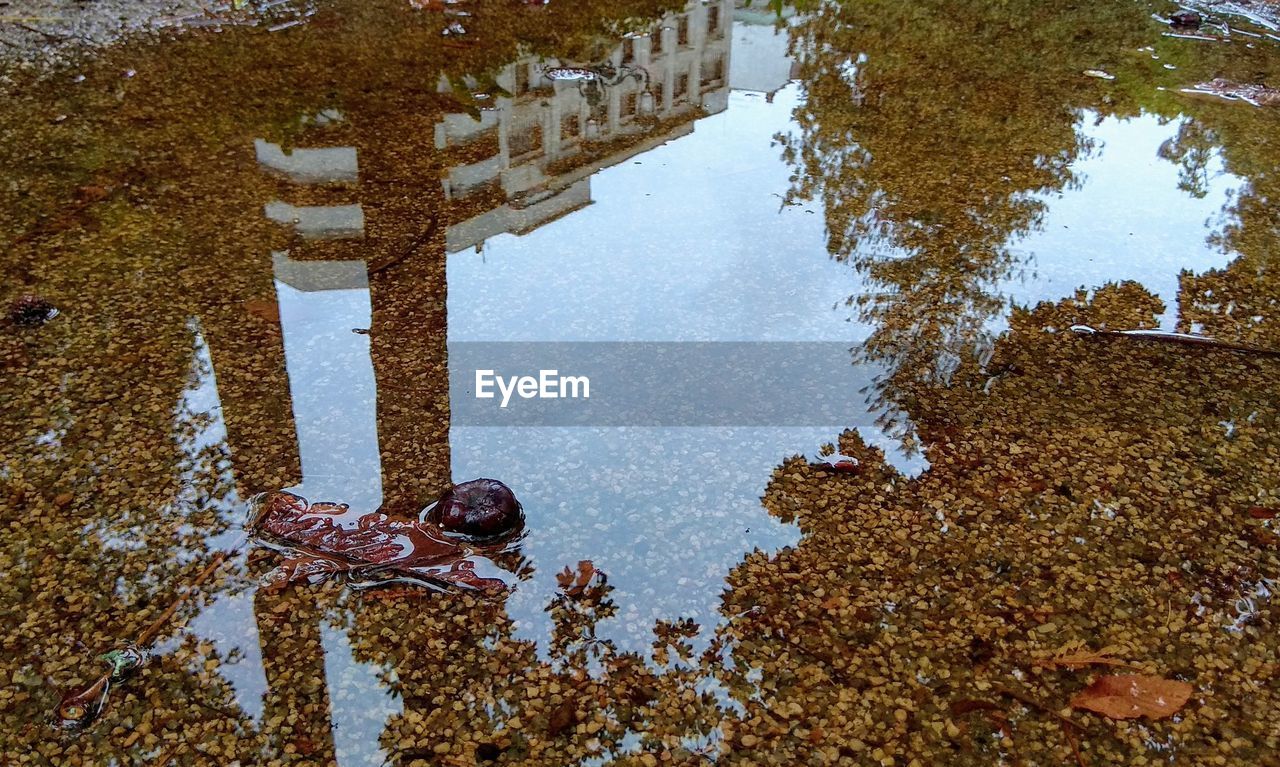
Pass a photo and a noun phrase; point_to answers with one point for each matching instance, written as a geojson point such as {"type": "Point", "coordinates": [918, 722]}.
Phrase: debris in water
{"type": "Point", "coordinates": [78, 710]}
{"type": "Point", "coordinates": [31, 311]}
{"type": "Point", "coordinates": [1221, 87]}
{"type": "Point", "coordinates": [1075, 655]}
{"type": "Point", "coordinates": [472, 521]}
{"type": "Point", "coordinates": [1187, 339]}
{"type": "Point", "coordinates": [390, 550]}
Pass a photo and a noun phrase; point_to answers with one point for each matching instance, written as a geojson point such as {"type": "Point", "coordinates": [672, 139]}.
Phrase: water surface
{"type": "Point", "coordinates": [270, 244]}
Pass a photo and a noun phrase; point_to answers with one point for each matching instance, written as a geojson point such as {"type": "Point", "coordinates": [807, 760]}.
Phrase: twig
{"type": "Point", "coordinates": [1027, 700]}
{"type": "Point", "coordinates": [1069, 731]}
{"type": "Point", "coordinates": [1186, 339]}
{"type": "Point", "coordinates": [168, 754]}
{"type": "Point", "coordinates": [411, 248]}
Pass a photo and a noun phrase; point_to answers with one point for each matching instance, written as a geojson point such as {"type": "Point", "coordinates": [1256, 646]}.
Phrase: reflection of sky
{"type": "Point", "coordinates": [683, 243]}
{"type": "Point", "coordinates": [1128, 221]}
{"type": "Point", "coordinates": [689, 242]}
{"type": "Point", "coordinates": [359, 704]}
{"type": "Point", "coordinates": [227, 620]}
{"type": "Point", "coordinates": [332, 385]}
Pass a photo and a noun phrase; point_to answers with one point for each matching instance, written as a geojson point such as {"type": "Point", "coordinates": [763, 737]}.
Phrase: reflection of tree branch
{"type": "Point", "coordinates": [413, 247]}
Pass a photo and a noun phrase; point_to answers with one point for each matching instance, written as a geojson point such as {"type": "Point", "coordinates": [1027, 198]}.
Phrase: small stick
{"type": "Point", "coordinates": [1027, 700]}
{"type": "Point", "coordinates": [410, 249]}
{"type": "Point", "coordinates": [1186, 339]}
{"type": "Point", "coordinates": [1075, 747]}
{"type": "Point", "coordinates": [81, 708]}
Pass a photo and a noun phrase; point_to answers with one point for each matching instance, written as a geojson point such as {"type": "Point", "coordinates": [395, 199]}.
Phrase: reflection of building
{"type": "Point", "coordinates": [761, 62]}
{"type": "Point", "coordinates": [533, 154]}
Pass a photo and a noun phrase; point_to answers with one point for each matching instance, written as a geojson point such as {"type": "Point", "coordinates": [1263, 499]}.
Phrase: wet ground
{"type": "Point", "coordinates": [276, 237]}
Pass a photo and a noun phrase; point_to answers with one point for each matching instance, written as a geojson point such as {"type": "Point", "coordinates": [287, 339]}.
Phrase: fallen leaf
{"type": "Point", "coordinates": [1265, 537]}
{"type": "Point", "coordinates": [1128, 696]}
{"type": "Point", "coordinates": [1076, 654]}
{"type": "Point", "coordinates": [585, 579]}
{"type": "Point", "coordinates": [1263, 512]}
{"type": "Point", "coordinates": [263, 310]}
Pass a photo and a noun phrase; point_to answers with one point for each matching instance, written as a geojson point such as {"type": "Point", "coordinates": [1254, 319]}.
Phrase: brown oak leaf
{"type": "Point", "coordinates": [1128, 696]}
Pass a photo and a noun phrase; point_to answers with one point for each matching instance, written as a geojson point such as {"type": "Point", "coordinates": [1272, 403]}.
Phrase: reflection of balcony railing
{"type": "Point", "coordinates": [566, 119]}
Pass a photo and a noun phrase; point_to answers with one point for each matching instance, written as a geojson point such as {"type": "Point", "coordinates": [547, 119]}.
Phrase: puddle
{"type": "Point", "coordinates": [277, 249]}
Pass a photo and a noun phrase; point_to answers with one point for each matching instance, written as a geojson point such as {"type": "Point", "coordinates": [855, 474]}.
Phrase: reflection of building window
{"type": "Point", "coordinates": [570, 127]}
{"type": "Point", "coordinates": [629, 50]}
{"type": "Point", "coordinates": [655, 42]}
{"type": "Point", "coordinates": [523, 82]}
{"type": "Point", "coordinates": [713, 20]}
{"type": "Point", "coordinates": [631, 104]}
{"type": "Point", "coordinates": [712, 71]}
{"type": "Point", "coordinates": [526, 141]}
{"type": "Point", "coordinates": [682, 31]}
{"type": "Point", "coordinates": [682, 87]}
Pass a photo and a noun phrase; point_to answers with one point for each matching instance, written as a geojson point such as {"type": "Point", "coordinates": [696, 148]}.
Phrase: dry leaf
{"type": "Point", "coordinates": [1262, 512]}
{"type": "Point", "coordinates": [577, 584]}
{"type": "Point", "coordinates": [263, 310]}
{"type": "Point", "coordinates": [1128, 696]}
{"type": "Point", "coordinates": [1076, 654]}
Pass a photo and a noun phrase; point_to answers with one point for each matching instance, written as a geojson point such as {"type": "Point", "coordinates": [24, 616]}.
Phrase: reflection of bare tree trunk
{"type": "Point", "coordinates": [293, 660]}
{"type": "Point", "coordinates": [406, 223]}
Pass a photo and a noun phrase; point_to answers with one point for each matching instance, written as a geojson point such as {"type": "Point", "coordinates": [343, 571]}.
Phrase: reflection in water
{"type": "Point", "coordinates": [1072, 491]}
{"type": "Point", "coordinates": [947, 232]}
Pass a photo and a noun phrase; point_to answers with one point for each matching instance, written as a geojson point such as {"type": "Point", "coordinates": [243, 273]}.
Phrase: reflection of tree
{"type": "Point", "coordinates": [929, 132]}
{"type": "Point", "coordinates": [113, 499]}
{"type": "Point", "coordinates": [1243, 138]}
{"type": "Point", "coordinates": [1094, 492]}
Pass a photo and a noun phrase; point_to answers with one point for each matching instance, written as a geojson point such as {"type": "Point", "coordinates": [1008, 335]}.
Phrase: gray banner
{"type": "Point", "coordinates": [657, 384]}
